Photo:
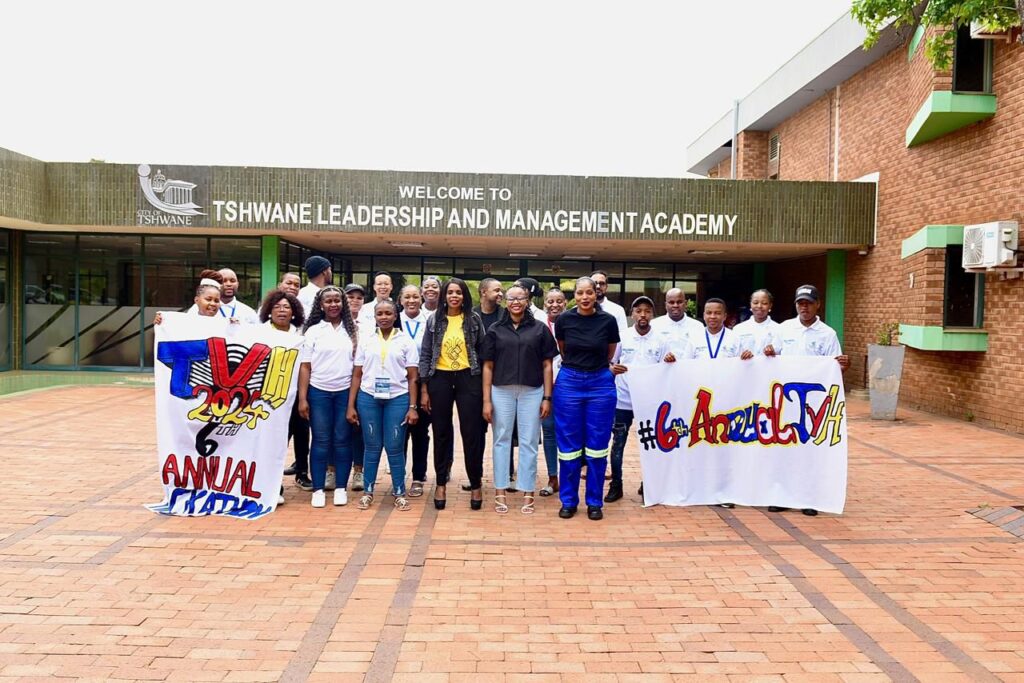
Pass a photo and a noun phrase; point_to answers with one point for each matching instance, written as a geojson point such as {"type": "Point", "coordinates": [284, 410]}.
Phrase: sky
{"type": "Point", "coordinates": [562, 88]}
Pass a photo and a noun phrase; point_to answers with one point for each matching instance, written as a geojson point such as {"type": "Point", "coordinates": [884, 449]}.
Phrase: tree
{"type": "Point", "coordinates": [946, 15]}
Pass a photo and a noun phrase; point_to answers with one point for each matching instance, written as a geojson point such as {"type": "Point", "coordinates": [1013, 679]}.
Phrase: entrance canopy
{"type": "Point", "coordinates": [555, 217]}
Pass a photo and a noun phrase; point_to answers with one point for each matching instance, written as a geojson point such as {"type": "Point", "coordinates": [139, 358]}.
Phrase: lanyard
{"type": "Point", "coordinates": [384, 344]}
{"type": "Point", "coordinates": [233, 307]}
{"type": "Point", "coordinates": [551, 326]}
{"type": "Point", "coordinates": [721, 336]}
{"type": "Point", "coordinates": [410, 331]}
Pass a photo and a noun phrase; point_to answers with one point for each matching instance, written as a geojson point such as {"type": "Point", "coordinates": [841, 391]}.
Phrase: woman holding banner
{"type": "Point", "coordinates": [386, 366]}
{"type": "Point", "coordinates": [325, 379]}
{"type": "Point", "coordinates": [584, 399]}
{"type": "Point", "coordinates": [758, 334]}
{"type": "Point", "coordinates": [283, 311]}
{"type": "Point", "coordinates": [207, 297]}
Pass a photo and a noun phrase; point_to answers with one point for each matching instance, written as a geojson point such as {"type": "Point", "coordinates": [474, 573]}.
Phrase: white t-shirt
{"type": "Point", "coordinates": [391, 359]}
{"type": "Point", "coordinates": [796, 339]}
{"type": "Point", "coordinates": [556, 362]}
{"type": "Point", "coordinates": [415, 327]}
{"type": "Point", "coordinates": [617, 312]}
{"type": "Point", "coordinates": [635, 350]}
{"type": "Point", "coordinates": [236, 309]}
{"type": "Point", "coordinates": [677, 333]}
{"type": "Point", "coordinates": [306, 296]}
{"type": "Point", "coordinates": [328, 350]}
{"type": "Point", "coordinates": [754, 336]}
{"type": "Point", "coordinates": [291, 328]}
{"type": "Point", "coordinates": [725, 344]}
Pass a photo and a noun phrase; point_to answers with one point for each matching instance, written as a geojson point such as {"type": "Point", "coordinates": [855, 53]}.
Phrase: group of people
{"type": "Point", "coordinates": [380, 376]}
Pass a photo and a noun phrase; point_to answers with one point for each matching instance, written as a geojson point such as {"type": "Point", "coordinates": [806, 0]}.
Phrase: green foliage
{"type": "Point", "coordinates": [946, 15]}
{"type": "Point", "coordinates": [886, 333]}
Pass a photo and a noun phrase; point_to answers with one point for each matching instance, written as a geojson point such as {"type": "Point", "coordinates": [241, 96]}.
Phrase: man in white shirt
{"type": "Point", "coordinates": [600, 279]}
{"type": "Point", "coordinates": [807, 335]}
{"type": "Point", "coordinates": [319, 273]}
{"type": "Point", "coordinates": [716, 340]}
{"type": "Point", "coordinates": [675, 325]}
{"type": "Point", "coordinates": [638, 347]}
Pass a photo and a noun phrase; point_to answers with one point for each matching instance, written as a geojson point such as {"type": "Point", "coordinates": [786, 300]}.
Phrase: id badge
{"type": "Point", "coordinates": [382, 387]}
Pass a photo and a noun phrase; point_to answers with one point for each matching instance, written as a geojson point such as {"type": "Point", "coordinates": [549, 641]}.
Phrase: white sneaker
{"type": "Point", "coordinates": [319, 498]}
{"type": "Point", "coordinates": [330, 484]}
{"type": "Point", "coordinates": [340, 497]}
{"type": "Point", "coordinates": [280, 499]}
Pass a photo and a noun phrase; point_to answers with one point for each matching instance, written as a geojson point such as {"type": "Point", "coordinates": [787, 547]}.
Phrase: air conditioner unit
{"type": "Point", "coordinates": [990, 245]}
{"type": "Point", "coordinates": [981, 31]}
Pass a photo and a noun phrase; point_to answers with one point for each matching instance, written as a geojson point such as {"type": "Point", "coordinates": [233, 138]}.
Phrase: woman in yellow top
{"type": "Point", "coordinates": [451, 373]}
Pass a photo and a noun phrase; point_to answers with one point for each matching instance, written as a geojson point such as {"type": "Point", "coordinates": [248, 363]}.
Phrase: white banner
{"type": "Point", "coordinates": [765, 431]}
{"type": "Point", "coordinates": [224, 394]}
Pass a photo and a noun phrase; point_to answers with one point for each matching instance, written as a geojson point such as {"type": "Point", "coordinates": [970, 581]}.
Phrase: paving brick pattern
{"type": "Point", "coordinates": [917, 581]}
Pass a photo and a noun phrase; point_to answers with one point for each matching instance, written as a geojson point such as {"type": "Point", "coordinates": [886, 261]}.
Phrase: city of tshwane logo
{"type": "Point", "coordinates": [170, 196]}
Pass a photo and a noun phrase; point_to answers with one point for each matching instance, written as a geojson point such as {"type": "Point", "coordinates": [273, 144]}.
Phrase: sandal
{"type": "Point", "coordinates": [416, 490]}
{"type": "Point", "coordinates": [549, 490]}
{"type": "Point", "coordinates": [527, 508]}
{"type": "Point", "coordinates": [365, 501]}
{"type": "Point", "coordinates": [500, 504]}
{"type": "Point", "coordinates": [402, 503]}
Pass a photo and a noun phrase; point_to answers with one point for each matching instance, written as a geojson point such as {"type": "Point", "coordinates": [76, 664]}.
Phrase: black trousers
{"type": "Point", "coordinates": [465, 391]}
{"type": "Point", "coordinates": [298, 432]}
{"type": "Point", "coordinates": [419, 436]}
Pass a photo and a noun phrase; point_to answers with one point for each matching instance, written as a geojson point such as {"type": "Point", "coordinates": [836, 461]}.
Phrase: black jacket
{"type": "Point", "coordinates": [430, 351]}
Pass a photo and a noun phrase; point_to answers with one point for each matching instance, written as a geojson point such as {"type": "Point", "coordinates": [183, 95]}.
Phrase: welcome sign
{"type": "Point", "coordinates": [765, 431]}
{"type": "Point", "coordinates": [224, 394]}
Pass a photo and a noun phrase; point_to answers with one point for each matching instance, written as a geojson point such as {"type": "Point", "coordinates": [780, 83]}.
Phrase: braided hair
{"type": "Point", "coordinates": [316, 314]}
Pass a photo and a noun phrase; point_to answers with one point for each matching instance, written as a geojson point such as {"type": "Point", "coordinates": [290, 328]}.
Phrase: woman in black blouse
{"type": "Point", "coordinates": [584, 399]}
{"type": "Point", "coordinates": [517, 355]}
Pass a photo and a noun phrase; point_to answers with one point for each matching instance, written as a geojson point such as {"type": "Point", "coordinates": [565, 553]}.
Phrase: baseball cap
{"type": "Point", "coordinates": [353, 287]}
{"type": "Point", "coordinates": [808, 292]}
{"type": "Point", "coordinates": [641, 300]}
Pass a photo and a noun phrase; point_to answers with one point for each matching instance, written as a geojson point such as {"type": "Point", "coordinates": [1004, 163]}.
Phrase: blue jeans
{"type": "Point", "coordinates": [584, 406]}
{"type": "Point", "coordinates": [514, 403]}
{"type": "Point", "coordinates": [620, 432]}
{"type": "Point", "coordinates": [547, 428]}
{"type": "Point", "coordinates": [383, 427]}
{"type": "Point", "coordinates": [332, 436]}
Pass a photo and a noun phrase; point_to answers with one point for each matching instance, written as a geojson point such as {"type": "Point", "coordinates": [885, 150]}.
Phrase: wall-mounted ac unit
{"type": "Point", "coordinates": [990, 245]}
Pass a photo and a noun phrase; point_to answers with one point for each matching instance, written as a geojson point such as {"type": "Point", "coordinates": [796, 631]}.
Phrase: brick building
{"type": "Point", "coordinates": [943, 148]}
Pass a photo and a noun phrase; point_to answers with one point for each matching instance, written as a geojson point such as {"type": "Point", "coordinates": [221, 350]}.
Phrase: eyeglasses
{"type": "Point", "coordinates": [518, 299]}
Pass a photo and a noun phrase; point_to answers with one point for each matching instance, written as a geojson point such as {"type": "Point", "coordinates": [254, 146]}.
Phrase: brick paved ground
{"type": "Point", "coordinates": [906, 585]}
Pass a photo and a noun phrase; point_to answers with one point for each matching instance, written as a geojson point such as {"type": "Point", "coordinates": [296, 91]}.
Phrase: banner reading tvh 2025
{"type": "Point", "coordinates": [224, 394]}
{"type": "Point", "coordinates": [764, 431]}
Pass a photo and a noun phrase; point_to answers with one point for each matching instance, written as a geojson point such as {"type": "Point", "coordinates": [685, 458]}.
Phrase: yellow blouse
{"type": "Point", "coordinates": [453, 347]}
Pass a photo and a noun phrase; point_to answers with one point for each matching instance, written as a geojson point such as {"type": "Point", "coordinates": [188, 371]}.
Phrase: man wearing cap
{"type": "Point", "coordinates": [807, 335]}
{"type": "Point", "coordinates": [319, 274]}
{"type": "Point", "coordinates": [675, 324]}
{"type": "Point", "coordinates": [638, 347]}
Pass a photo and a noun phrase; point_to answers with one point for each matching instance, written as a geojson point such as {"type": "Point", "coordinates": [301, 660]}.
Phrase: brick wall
{"type": "Point", "coordinates": [752, 155]}
{"type": "Point", "coordinates": [970, 176]}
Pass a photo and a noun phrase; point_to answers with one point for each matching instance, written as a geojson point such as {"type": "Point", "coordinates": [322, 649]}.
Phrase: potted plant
{"type": "Point", "coordinates": [885, 369]}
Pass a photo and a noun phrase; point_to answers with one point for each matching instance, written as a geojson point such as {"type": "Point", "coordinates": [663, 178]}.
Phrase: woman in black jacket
{"type": "Point", "coordinates": [451, 373]}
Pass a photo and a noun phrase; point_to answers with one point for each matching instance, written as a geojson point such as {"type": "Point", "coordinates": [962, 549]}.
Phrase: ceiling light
{"type": "Point", "coordinates": [415, 245]}
{"type": "Point", "coordinates": [706, 252]}
{"type": "Point", "coordinates": [576, 258]}
{"type": "Point", "coordinates": [517, 254]}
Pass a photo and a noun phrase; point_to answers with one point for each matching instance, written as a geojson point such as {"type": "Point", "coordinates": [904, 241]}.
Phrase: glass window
{"type": "Point", "coordinates": [502, 269]}
{"type": "Point", "coordinates": [962, 303]}
{"type": "Point", "coordinates": [557, 270]}
{"type": "Point", "coordinates": [5, 309]}
{"type": "Point", "coordinates": [172, 272]}
{"type": "Point", "coordinates": [972, 63]}
{"type": "Point", "coordinates": [244, 256]}
{"type": "Point", "coordinates": [49, 324]}
{"type": "Point", "coordinates": [442, 267]}
{"type": "Point", "coordinates": [109, 300]}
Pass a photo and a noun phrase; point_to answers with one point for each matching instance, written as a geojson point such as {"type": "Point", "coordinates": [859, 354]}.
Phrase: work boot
{"type": "Point", "coordinates": [614, 492]}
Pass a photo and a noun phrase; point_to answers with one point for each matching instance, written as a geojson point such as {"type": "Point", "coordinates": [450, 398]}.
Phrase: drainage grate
{"type": "Point", "coordinates": [1009, 519]}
